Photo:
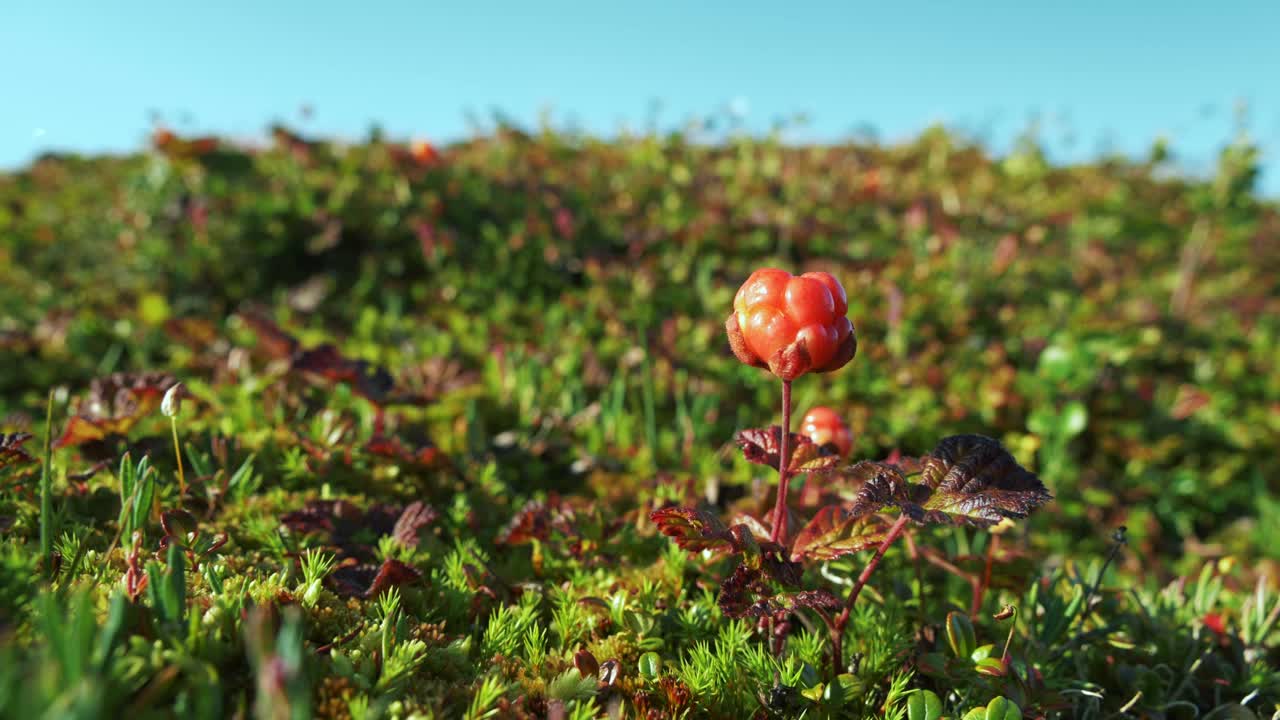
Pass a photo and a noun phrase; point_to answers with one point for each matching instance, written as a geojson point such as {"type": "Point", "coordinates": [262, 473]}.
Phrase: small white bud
{"type": "Point", "coordinates": [172, 402]}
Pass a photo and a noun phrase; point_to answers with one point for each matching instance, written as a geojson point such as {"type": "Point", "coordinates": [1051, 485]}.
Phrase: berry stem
{"type": "Point", "coordinates": [779, 534]}
{"type": "Point", "coordinates": [177, 452]}
{"type": "Point", "coordinates": [842, 620]}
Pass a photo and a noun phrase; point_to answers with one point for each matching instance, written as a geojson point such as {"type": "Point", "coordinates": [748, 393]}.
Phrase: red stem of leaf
{"type": "Point", "coordinates": [974, 580]}
{"type": "Point", "coordinates": [779, 534]}
{"type": "Point", "coordinates": [894, 531]}
{"type": "Point", "coordinates": [981, 590]}
{"type": "Point", "coordinates": [842, 620]}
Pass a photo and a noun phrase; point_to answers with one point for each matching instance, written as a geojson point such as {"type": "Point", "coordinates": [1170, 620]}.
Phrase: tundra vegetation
{"type": "Point", "coordinates": [546, 425]}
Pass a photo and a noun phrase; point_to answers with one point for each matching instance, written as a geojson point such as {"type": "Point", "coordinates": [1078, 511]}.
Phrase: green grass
{"type": "Point", "coordinates": [549, 309]}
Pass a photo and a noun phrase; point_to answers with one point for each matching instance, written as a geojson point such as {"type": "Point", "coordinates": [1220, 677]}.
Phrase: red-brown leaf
{"type": "Point", "coordinates": [747, 593]}
{"type": "Point", "coordinates": [274, 342]}
{"type": "Point", "coordinates": [415, 517]}
{"type": "Point", "coordinates": [763, 446]}
{"type": "Point", "coordinates": [393, 448]}
{"type": "Point", "coordinates": [392, 573]}
{"type": "Point", "coordinates": [113, 406]}
{"type": "Point", "coordinates": [11, 451]}
{"type": "Point", "coordinates": [326, 361]}
{"type": "Point", "coordinates": [693, 529]}
{"type": "Point", "coordinates": [975, 481]}
{"type": "Point", "coordinates": [835, 532]}
{"type": "Point", "coordinates": [352, 579]}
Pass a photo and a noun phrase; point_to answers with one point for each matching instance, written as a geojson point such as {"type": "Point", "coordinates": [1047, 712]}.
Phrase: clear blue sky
{"type": "Point", "coordinates": [1100, 75]}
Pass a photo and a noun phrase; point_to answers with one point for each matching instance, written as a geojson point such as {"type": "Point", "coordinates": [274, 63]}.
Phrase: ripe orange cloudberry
{"type": "Point", "coordinates": [791, 324]}
{"type": "Point", "coordinates": [823, 425]}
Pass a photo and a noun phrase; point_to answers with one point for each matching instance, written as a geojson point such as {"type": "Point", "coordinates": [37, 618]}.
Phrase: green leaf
{"type": "Point", "coordinates": [833, 695]}
{"type": "Point", "coordinates": [639, 624]}
{"type": "Point", "coordinates": [178, 523]}
{"type": "Point", "coordinates": [109, 635]}
{"type": "Point", "coordinates": [923, 705]}
{"type": "Point", "coordinates": [175, 592]}
{"type": "Point", "coordinates": [650, 665]}
{"type": "Point", "coordinates": [960, 635]}
{"type": "Point", "coordinates": [990, 666]}
{"type": "Point", "coordinates": [1003, 708]}
{"type": "Point", "coordinates": [1074, 419]}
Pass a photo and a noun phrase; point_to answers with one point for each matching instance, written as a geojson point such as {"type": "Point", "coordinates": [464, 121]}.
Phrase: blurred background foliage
{"type": "Point", "coordinates": [1116, 325]}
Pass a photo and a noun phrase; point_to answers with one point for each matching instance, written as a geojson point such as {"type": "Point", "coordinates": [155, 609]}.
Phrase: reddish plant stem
{"type": "Point", "coordinates": [842, 620]}
{"type": "Point", "coordinates": [981, 592]}
{"type": "Point", "coordinates": [779, 533]}
{"type": "Point", "coordinates": [975, 582]}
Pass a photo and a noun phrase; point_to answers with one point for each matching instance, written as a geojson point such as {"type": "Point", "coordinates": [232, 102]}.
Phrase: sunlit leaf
{"type": "Point", "coordinates": [747, 592]}
{"type": "Point", "coordinates": [835, 532]}
{"type": "Point", "coordinates": [415, 517]}
{"type": "Point", "coordinates": [693, 529]}
{"type": "Point", "coordinates": [11, 451]}
{"type": "Point", "coordinates": [975, 481]}
{"type": "Point", "coordinates": [881, 486]}
{"type": "Point", "coordinates": [326, 361]}
{"type": "Point", "coordinates": [763, 446]}
{"type": "Point", "coordinates": [369, 581]}
{"type": "Point", "coordinates": [113, 406]}
{"type": "Point", "coordinates": [424, 455]}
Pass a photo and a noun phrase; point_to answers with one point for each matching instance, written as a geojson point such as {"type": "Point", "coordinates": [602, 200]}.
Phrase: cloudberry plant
{"type": "Point", "coordinates": [792, 325]}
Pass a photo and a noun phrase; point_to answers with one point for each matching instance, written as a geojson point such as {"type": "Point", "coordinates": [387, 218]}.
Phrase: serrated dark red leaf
{"type": "Point", "coordinates": [778, 567]}
{"type": "Point", "coordinates": [272, 340]}
{"type": "Point", "coordinates": [881, 486]}
{"type": "Point", "coordinates": [367, 379]}
{"type": "Point", "coordinates": [11, 451]}
{"type": "Point", "coordinates": [424, 456]}
{"type": "Point", "coordinates": [352, 579]}
{"type": "Point", "coordinates": [816, 599]}
{"type": "Point", "coordinates": [532, 522]}
{"type": "Point", "coordinates": [113, 405]}
{"type": "Point", "coordinates": [835, 532]}
{"type": "Point", "coordinates": [392, 573]}
{"type": "Point", "coordinates": [739, 590]}
{"type": "Point", "coordinates": [747, 593]}
{"type": "Point", "coordinates": [763, 445]}
{"type": "Point", "coordinates": [415, 517]}
{"type": "Point", "coordinates": [974, 481]}
{"type": "Point", "coordinates": [908, 465]}
{"type": "Point", "coordinates": [693, 529]}
{"type": "Point", "coordinates": [346, 526]}
{"type": "Point", "coordinates": [178, 523]}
